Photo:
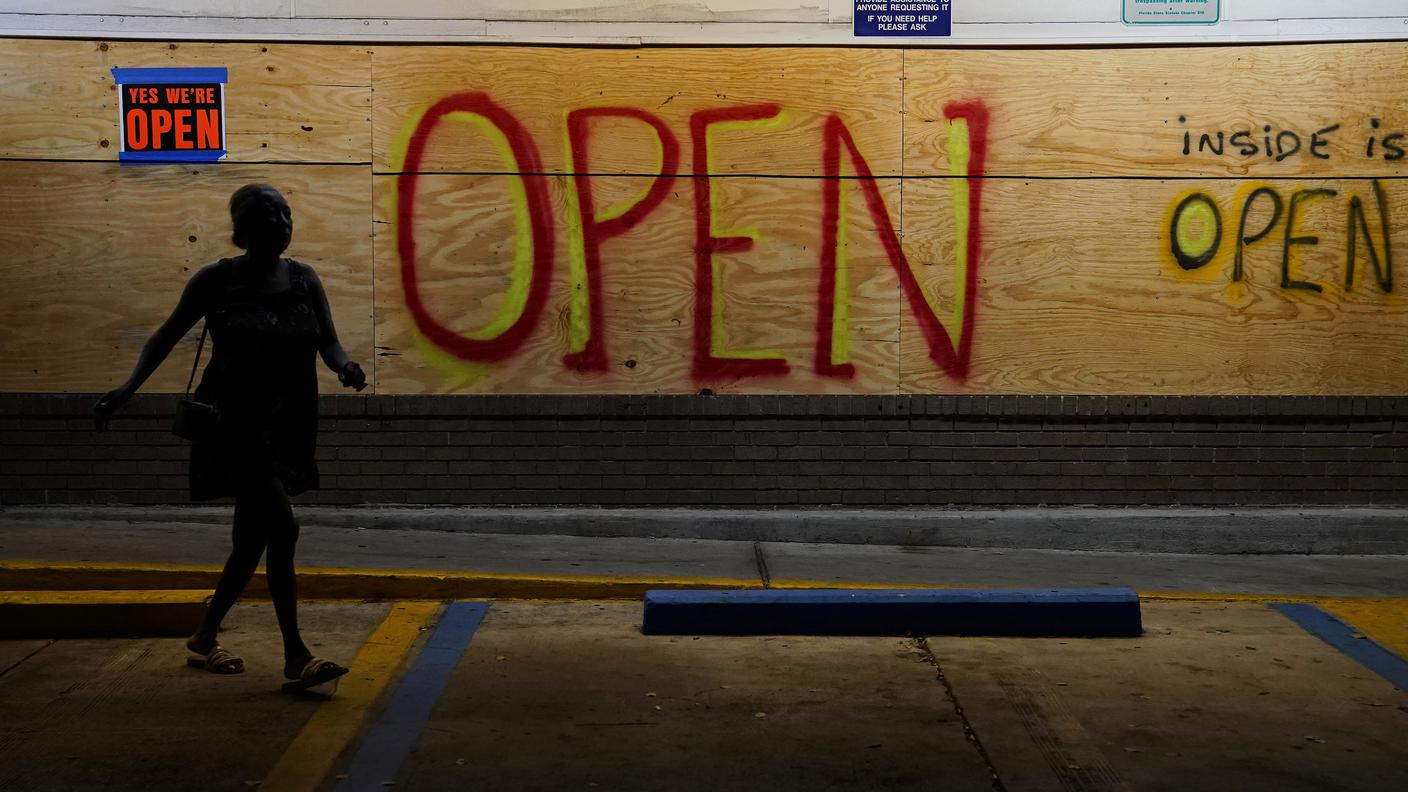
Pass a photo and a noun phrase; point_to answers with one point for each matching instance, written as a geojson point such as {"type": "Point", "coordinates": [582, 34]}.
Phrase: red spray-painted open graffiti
{"type": "Point", "coordinates": [709, 364]}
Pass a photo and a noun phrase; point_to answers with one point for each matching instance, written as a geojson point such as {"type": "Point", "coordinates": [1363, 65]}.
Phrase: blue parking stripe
{"type": "Point", "coordinates": [1343, 637]}
{"type": "Point", "coordinates": [389, 742]}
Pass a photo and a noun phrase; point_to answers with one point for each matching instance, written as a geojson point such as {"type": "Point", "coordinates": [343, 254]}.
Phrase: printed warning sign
{"type": "Point", "coordinates": [171, 115]}
{"type": "Point", "coordinates": [1172, 12]}
{"type": "Point", "coordinates": [903, 18]}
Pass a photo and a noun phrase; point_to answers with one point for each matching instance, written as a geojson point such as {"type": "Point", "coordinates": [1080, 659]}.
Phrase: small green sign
{"type": "Point", "coordinates": [1172, 12]}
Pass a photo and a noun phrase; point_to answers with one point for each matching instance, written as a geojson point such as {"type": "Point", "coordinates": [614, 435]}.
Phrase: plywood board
{"type": "Point", "coordinates": [99, 254]}
{"type": "Point", "coordinates": [465, 235]}
{"type": "Point", "coordinates": [1079, 292]}
{"type": "Point", "coordinates": [298, 103]}
{"type": "Point", "coordinates": [1076, 288]}
{"type": "Point", "coordinates": [539, 86]}
{"type": "Point", "coordinates": [1076, 113]}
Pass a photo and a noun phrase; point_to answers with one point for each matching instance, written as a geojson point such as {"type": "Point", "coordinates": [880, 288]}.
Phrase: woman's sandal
{"type": "Point", "coordinates": [219, 661]}
{"type": "Point", "coordinates": [316, 671]}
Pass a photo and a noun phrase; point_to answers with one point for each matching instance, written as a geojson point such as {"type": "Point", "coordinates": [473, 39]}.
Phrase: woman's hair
{"type": "Point", "coordinates": [238, 203]}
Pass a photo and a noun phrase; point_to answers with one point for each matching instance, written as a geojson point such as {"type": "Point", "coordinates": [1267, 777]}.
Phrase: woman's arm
{"type": "Point", "coordinates": [195, 299]}
{"type": "Point", "coordinates": [334, 356]}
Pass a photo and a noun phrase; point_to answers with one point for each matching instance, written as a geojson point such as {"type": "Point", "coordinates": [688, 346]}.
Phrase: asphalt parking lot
{"type": "Point", "coordinates": [1229, 694]}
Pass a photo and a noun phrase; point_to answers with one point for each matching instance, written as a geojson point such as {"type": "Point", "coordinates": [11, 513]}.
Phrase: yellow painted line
{"type": "Point", "coordinates": [1212, 596]}
{"type": "Point", "coordinates": [345, 583]}
{"type": "Point", "coordinates": [1147, 596]}
{"type": "Point", "coordinates": [100, 614]}
{"type": "Point", "coordinates": [59, 576]}
{"type": "Point", "coordinates": [419, 584]}
{"type": "Point", "coordinates": [336, 722]}
{"type": "Point", "coordinates": [123, 597]}
{"type": "Point", "coordinates": [1385, 621]}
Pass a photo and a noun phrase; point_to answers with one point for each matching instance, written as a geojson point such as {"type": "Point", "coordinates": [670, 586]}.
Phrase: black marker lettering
{"type": "Point", "coordinates": [1316, 143]}
{"type": "Point", "coordinates": [1281, 151]}
{"type": "Point", "coordinates": [1297, 198]}
{"type": "Point", "coordinates": [1383, 274]}
{"type": "Point", "coordinates": [1242, 239]}
{"type": "Point", "coordinates": [1248, 148]}
{"type": "Point", "coordinates": [1186, 260]}
{"type": "Point", "coordinates": [1393, 151]}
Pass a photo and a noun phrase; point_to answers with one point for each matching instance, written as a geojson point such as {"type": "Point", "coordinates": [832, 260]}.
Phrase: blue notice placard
{"type": "Point", "coordinates": [903, 18]}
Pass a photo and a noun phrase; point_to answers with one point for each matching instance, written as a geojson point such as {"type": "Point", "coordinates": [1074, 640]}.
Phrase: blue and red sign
{"type": "Point", "coordinates": [171, 115]}
{"type": "Point", "coordinates": [903, 18]}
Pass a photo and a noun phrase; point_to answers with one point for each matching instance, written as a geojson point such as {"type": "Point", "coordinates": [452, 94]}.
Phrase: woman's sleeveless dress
{"type": "Point", "coordinates": [262, 377]}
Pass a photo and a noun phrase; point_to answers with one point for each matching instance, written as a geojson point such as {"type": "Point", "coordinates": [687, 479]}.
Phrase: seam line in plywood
{"type": "Point", "coordinates": [371, 187]}
{"type": "Point", "coordinates": [356, 164]}
{"type": "Point", "coordinates": [904, 118]}
{"type": "Point", "coordinates": [901, 177]}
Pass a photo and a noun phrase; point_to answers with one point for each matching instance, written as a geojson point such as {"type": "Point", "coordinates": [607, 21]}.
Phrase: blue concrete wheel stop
{"type": "Point", "coordinates": [1089, 612]}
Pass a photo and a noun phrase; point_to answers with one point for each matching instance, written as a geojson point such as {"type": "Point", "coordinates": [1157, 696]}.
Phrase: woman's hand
{"type": "Point", "coordinates": [111, 402]}
{"type": "Point", "coordinates": [352, 376]}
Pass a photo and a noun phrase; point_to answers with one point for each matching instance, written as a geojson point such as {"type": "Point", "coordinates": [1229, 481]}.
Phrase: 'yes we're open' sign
{"type": "Point", "coordinates": [171, 115]}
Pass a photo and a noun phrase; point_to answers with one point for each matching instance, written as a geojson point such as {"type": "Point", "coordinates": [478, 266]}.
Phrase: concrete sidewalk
{"type": "Point", "coordinates": [1252, 529]}
{"type": "Point", "coordinates": [98, 553]}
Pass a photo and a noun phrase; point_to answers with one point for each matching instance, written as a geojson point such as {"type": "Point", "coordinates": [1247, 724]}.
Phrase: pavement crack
{"type": "Point", "coordinates": [762, 562]}
{"type": "Point", "coordinates": [968, 731]}
{"type": "Point", "coordinates": [20, 661]}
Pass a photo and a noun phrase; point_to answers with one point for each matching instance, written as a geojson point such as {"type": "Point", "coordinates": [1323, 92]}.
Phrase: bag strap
{"type": "Point", "coordinates": [199, 346]}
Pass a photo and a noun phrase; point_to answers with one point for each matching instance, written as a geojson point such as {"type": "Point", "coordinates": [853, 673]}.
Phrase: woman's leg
{"type": "Point", "coordinates": [283, 586]}
{"type": "Point", "coordinates": [250, 535]}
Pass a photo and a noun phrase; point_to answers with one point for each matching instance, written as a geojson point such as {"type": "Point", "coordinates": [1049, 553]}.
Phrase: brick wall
{"type": "Point", "coordinates": [757, 450]}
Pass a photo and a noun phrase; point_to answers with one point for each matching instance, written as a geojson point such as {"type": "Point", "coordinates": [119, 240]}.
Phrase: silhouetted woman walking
{"type": "Point", "coordinates": [268, 317]}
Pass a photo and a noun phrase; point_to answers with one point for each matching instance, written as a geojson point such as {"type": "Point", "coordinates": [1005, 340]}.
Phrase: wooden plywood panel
{"type": "Point", "coordinates": [538, 86]}
{"type": "Point", "coordinates": [465, 235]}
{"type": "Point", "coordinates": [1079, 291]}
{"type": "Point", "coordinates": [99, 254]}
{"type": "Point", "coordinates": [1117, 112]}
{"type": "Point", "coordinates": [306, 103]}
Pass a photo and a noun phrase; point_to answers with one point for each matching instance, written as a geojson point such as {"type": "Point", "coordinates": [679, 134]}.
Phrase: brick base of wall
{"type": "Point", "coordinates": [756, 450]}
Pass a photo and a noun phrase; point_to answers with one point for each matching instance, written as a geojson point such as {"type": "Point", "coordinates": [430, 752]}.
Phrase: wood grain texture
{"type": "Point", "coordinates": [1116, 112]}
{"type": "Point", "coordinates": [99, 254]}
{"type": "Point", "coordinates": [648, 291]}
{"type": "Point", "coordinates": [299, 103]}
{"type": "Point", "coordinates": [540, 85]}
{"type": "Point", "coordinates": [1079, 293]}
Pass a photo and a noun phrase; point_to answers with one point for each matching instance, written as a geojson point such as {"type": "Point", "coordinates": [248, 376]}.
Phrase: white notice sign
{"type": "Point", "coordinates": [1172, 12]}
